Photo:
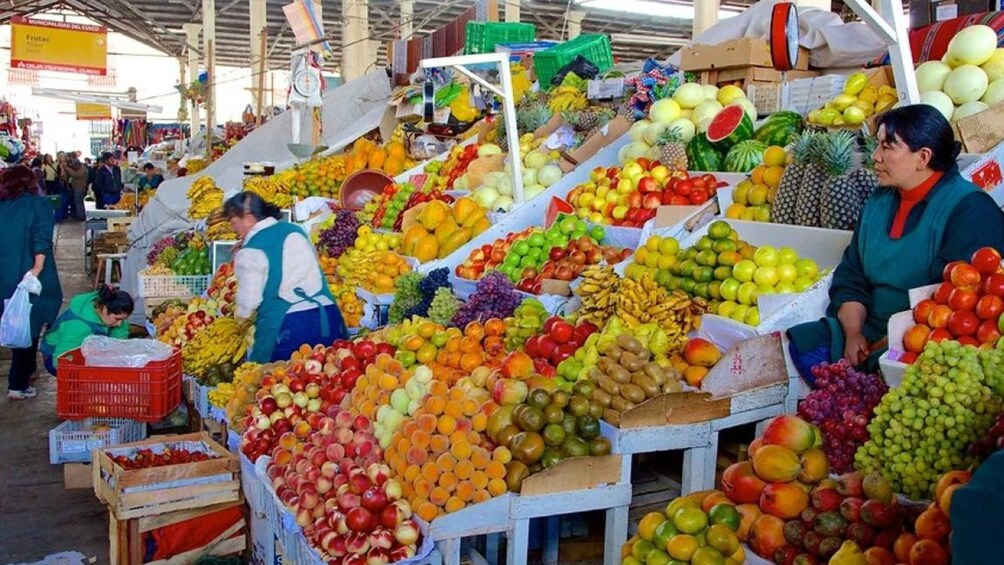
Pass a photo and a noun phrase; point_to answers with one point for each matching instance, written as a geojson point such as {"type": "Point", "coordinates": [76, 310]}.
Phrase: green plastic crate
{"type": "Point", "coordinates": [482, 36]}
{"type": "Point", "coordinates": [595, 48]}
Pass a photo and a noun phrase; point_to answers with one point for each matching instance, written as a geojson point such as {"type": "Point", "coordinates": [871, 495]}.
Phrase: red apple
{"type": "Point", "coordinates": [994, 284]}
{"type": "Point", "coordinates": [561, 331]}
{"type": "Point", "coordinates": [360, 520]}
{"type": "Point", "coordinates": [374, 499]}
{"type": "Point", "coordinates": [988, 332]}
{"type": "Point", "coordinates": [946, 273]}
{"type": "Point", "coordinates": [647, 184]}
{"type": "Point", "coordinates": [965, 275]}
{"type": "Point", "coordinates": [922, 310]}
{"type": "Point", "coordinates": [989, 307]}
{"type": "Point", "coordinates": [963, 323]}
{"type": "Point", "coordinates": [651, 201]}
{"type": "Point", "coordinates": [963, 298]}
{"type": "Point", "coordinates": [986, 260]}
{"type": "Point", "coordinates": [939, 316]}
{"type": "Point", "coordinates": [407, 533]}
{"type": "Point", "coordinates": [942, 292]}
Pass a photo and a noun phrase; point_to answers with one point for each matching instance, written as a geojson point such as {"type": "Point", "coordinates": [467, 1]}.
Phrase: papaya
{"type": "Point", "coordinates": [454, 241]}
{"type": "Point", "coordinates": [426, 248]}
{"type": "Point", "coordinates": [376, 158]}
{"type": "Point", "coordinates": [395, 150]}
{"type": "Point", "coordinates": [411, 237]}
{"type": "Point", "coordinates": [434, 214]}
{"type": "Point", "coordinates": [445, 230]}
{"type": "Point", "coordinates": [463, 208]}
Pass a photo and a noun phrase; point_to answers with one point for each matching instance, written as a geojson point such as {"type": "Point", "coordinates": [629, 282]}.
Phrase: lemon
{"type": "Point", "coordinates": [775, 156]}
{"type": "Point", "coordinates": [855, 84]}
{"type": "Point", "coordinates": [735, 211]}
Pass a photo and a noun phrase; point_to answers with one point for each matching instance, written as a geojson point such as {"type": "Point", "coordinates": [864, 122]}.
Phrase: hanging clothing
{"type": "Point", "coordinates": [279, 276]}
{"type": "Point", "coordinates": [878, 270]}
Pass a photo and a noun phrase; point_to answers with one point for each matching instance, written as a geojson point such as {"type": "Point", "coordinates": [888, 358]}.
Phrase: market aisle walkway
{"type": "Point", "coordinates": [37, 516]}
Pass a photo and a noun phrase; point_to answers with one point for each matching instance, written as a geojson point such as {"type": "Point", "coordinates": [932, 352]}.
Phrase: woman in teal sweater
{"type": "Point", "coordinates": [926, 216]}
{"type": "Point", "coordinates": [102, 312]}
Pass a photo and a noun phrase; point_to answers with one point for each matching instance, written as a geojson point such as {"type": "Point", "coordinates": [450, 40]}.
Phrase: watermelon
{"type": "Point", "coordinates": [701, 156]}
{"type": "Point", "coordinates": [779, 128]}
{"type": "Point", "coordinates": [745, 156]}
{"type": "Point", "coordinates": [730, 126]}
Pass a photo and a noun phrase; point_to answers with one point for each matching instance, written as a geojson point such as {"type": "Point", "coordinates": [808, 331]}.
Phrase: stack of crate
{"type": "Point", "coordinates": [742, 62]}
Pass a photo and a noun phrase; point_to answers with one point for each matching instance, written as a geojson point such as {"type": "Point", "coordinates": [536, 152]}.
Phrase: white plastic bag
{"type": "Point", "coordinates": [15, 324]}
{"type": "Point", "coordinates": [101, 351]}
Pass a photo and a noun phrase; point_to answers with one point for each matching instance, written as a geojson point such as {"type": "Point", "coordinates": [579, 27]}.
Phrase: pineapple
{"type": "Point", "coordinates": [839, 199]}
{"type": "Point", "coordinates": [626, 111]}
{"type": "Point", "coordinates": [786, 199]}
{"type": "Point", "coordinates": [588, 120]}
{"type": "Point", "coordinates": [671, 150]}
{"type": "Point", "coordinates": [813, 179]}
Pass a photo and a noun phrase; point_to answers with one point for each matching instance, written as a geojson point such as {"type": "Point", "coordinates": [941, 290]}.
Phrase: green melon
{"type": "Point", "coordinates": [730, 126]}
{"type": "Point", "coordinates": [745, 156]}
{"type": "Point", "coordinates": [779, 128]}
{"type": "Point", "coordinates": [702, 156]}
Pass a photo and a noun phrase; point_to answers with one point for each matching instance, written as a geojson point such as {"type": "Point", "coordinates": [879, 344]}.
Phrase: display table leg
{"type": "Point", "coordinates": [551, 538]}
{"type": "Point", "coordinates": [615, 534]}
{"type": "Point", "coordinates": [450, 548]}
{"type": "Point", "coordinates": [699, 467]}
{"type": "Point", "coordinates": [492, 548]}
{"type": "Point", "coordinates": [519, 543]}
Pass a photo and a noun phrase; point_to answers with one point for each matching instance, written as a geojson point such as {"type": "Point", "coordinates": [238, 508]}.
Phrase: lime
{"type": "Point", "coordinates": [725, 514]}
{"type": "Point", "coordinates": [690, 520]}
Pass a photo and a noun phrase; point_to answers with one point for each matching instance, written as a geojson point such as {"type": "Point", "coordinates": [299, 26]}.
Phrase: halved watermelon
{"type": "Point", "coordinates": [730, 126]}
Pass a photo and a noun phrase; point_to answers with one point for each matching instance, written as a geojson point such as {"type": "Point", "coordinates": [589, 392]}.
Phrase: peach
{"type": "Point", "coordinates": [879, 556]}
{"type": "Point", "coordinates": [754, 446]}
{"type": "Point", "coordinates": [951, 478]}
{"type": "Point", "coordinates": [776, 463]}
{"type": "Point", "coordinates": [945, 501]}
{"type": "Point", "coordinates": [902, 546]}
{"type": "Point", "coordinates": [932, 524]}
{"type": "Point", "coordinates": [702, 353]}
{"type": "Point", "coordinates": [741, 484]}
{"type": "Point", "coordinates": [790, 431]}
{"type": "Point", "coordinates": [815, 466]}
{"type": "Point", "coordinates": [748, 513]}
{"type": "Point", "coordinates": [928, 552]}
{"type": "Point", "coordinates": [694, 375]}
{"type": "Point", "coordinates": [766, 535]}
{"type": "Point", "coordinates": [784, 500]}
{"type": "Point", "coordinates": [517, 365]}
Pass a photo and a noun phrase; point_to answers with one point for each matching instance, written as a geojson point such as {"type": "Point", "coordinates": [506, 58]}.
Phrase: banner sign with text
{"type": "Point", "coordinates": [43, 45]}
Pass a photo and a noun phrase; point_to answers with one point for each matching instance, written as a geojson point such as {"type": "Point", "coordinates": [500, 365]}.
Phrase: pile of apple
{"type": "Point", "coordinates": [312, 385]}
{"type": "Point", "coordinates": [341, 494]}
{"type": "Point", "coordinates": [182, 327]}
{"type": "Point", "coordinates": [967, 306]}
{"type": "Point", "coordinates": [566, 263]}
{"type": "Point", "coordinates": [223, 288]}
{"type": "Point", "coordinates": [490, 255]}
{"type": "Point", "coordinates": [628, 196]}
{"type": "Point", "coordinates": [553, 350]}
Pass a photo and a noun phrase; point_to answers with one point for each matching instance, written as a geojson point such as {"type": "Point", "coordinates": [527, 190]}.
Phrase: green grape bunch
{"type": "Point", "coordinates": [444, 306]}
{"type": "Point", "coordinates": [922, 427]}
{"type": "Point", "coordinates": [406, 296]}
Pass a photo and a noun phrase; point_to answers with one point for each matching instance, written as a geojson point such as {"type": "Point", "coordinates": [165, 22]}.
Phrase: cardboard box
{"type": "Point", "coordinates": [607, 134]}
{"type": "Point", "coordinates": [981, 132]}
{"type": "Point", "coordinates": [742, 52]}
{"type": "Point", "coordinates": [751, 76]}
{"type": "Point", "coordinates": [78, 476]}
{"type": "Point", "coordinates": [799, 95]}
{"type": "Point", "coordinates": [577, 473]}
{"type": "Point", "coordinates": [754, 366]}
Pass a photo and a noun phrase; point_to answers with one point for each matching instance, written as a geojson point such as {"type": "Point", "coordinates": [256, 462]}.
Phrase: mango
{"type": "Point", "coordinates": [702, 353]}
{"type": "Point", "coordinates": [775, 463]}
{"type": "Point", "coordinates": [791, 432]}
{"type": "Point", "coordinates": [784, 500]}
{"type": "Point", "coordinates": [741, 484]}
{"type": "Point", "coordinates": [815, 466]}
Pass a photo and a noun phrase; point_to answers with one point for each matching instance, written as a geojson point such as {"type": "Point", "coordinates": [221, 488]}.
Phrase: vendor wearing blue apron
{"type": "Point", "coordinates": [279, 282]}
{"type": "Point", "coordinates": [924, 216]}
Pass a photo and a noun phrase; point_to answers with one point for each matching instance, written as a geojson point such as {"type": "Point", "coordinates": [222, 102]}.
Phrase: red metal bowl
{"type": "Point", "coordinates": [361, 186]}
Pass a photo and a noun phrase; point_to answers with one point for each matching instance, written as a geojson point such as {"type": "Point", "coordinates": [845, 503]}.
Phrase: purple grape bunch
{"type": "Point", "coordinates": [341, 235]}
{"type": "Point", "coordinates": [157, 248]}
{"type": "Point", "coordinates": [494, 297]}
{"type": "Point", "coordinates": [841, 406]}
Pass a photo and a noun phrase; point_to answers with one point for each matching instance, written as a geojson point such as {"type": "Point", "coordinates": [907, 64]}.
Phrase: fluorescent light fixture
{"type": "Point", "coordinates": [634, 39]}
{"type": "Point", "coordinates": [651, 8]}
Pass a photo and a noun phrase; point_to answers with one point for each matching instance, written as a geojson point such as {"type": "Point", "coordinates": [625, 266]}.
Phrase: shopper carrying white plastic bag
{"type": "Point", "coordinates": [15, 324]}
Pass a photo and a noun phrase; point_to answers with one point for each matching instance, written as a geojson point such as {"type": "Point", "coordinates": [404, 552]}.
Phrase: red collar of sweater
{"type": "Point", "coordinates": [908, 199]}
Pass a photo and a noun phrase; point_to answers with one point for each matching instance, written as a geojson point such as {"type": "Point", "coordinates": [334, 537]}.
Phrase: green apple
{"type": "Point", "coordinates": [807, 268]}
{"type": "Point", "coordinates": [787, 256]}
{"type": "Point", "coordinates": [730, 289]}
{"type": "Point", "coordinates": [766, 276]}
{"type": "Point", "coordinates": [802, 283]}
{"type": "Point", "coordinates": [765, 256]}
{"type": "Point", "coordinates": [746, 293]}
{"type": "Point", "coordinates": [787, 272]}
{"type": "Point", "coordinates": [597, 233]}
{"type": "Point", "coordinates": [743, 270]}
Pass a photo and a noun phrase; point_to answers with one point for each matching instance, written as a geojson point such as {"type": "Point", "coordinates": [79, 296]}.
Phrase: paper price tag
{"type": "Point", "coordinates": [563, 137]}
{"type": "Point", "coordinates": [606, 88]}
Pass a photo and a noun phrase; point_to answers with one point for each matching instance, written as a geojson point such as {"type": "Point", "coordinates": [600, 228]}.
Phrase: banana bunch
{"type": "Point", "coordinates": [598, 294]}
{"type": "Point", "coordinates": [224, 341]}
{"type": "Point", "coordinates": [218, 228]}
{"type": "Point", "coordinates": [204, 197]}
{"type": "Point", "coordinates": [271, 189]}
{"type": "Point", "coordinates": [644, 301]}
{"type": "Point", "coordinates": [221, 395]}
{"type": "Point", "coordinates": [564, 98]}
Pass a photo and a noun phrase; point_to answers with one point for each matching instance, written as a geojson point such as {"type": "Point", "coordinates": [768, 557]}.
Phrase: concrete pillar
{"type": "Point", "coordinates": [705, 15]}
{"type": "Point", "coordinates": [355, 45]}
{"type": "Point", "coordinates": [511, 10]}
{"type": "Point", "coordinates": [407, 13]}
{"type": "Point", "coordinates": [259, 19]}
{"type": "Point", "coordinates": [209, 35]}
{"type": "Point", "coordinates": [192, 32]}
{"type": "Point", "coordinates": [820, 4]}
{"type": "Point", "coordinates": [573, 23]}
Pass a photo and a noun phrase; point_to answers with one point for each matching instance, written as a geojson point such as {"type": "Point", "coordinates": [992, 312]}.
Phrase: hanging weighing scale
{"type": "Point", "coordinates": [305, 92]}
{"type": "Point", "coordinates": [784, 36]}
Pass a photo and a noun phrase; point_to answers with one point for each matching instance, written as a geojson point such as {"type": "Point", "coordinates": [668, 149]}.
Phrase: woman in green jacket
{"type": "Point", "coordinates": [926, 216]}
{"type": "Point", "coordinates": [27, 246]}
{"type": "Point", "coordinates": [102, 312]}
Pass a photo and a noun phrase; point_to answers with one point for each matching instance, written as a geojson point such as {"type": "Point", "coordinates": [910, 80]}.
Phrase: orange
{"type": "Point", "coordinates": [427, 329]}
{"type": "Point", "coordinates": [475, 330]}
{"type": "Point", "coordinates": [413, 342]}
{"type": "Point", "coordinates": [471, 361]}
{"type": "Point", "coordinates": [470, 344]}
{"type": "Point", "coordinates": [495, 327]}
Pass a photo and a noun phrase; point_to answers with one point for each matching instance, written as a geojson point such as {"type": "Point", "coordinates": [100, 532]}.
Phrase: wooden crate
{"type": "Point", "coordinates": [158, 490]}
{"type": "Point", "coordinates": [125, 537]}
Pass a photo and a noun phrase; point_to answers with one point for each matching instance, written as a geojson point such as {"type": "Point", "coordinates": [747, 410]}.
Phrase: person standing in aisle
{"type": "Point", "coordinates": [51, 175]}
{"type": "Point", "coordinates": [36, 168]}
{"type": "Point", "coordinates": [279, 282]}
{"type": "Point", "coordinates": [92, 179]}
{"type": "Point", "coordinates": [27, 247]}
{"type": "Point", "coordinates": [76, 180]}
{"type": "Point", "coordinates": [108, 181]}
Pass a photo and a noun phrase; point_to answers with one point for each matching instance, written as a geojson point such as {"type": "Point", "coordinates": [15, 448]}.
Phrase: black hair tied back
{"type": "Point", "coordinates": [920, 126]}
{"type": "Point", "coordinates": [114, 300]}
{"type": "Point", "coordinates": [250, 203]}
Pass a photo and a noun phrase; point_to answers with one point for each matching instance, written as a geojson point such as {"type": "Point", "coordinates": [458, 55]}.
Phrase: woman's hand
{"type": "Point", "coordinates": [856, 348]}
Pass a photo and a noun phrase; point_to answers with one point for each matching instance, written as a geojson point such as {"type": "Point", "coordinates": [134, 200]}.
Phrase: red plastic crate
{"type": "Point", "coordinates": [147, 394]}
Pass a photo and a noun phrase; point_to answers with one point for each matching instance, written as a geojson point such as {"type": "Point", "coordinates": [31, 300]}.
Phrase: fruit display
{"type": "Point", "coordinates": [967, 306]}
{"type": "Point", "coordinates": [558, 342]}
{"type": "Point", "coordinates": [351, 307]}
{"type": "Point", "coordinates": [218, 227]}
{"type": "Point", "coordinates": [695, 529]}
{"type": "Point", "coordinates": [625, 375]}
{"type": "Point", "coordinates": [178, 326]}
{"type": "Point", "coordinates": [247, 380]}
{"type": "Point", "coordinates": [271, 192]}
{"type": "Point", "coordinates": [991, 442]}
{"type": "Point", "coordinates": [841, 406]}
{"type": "Point", "coordinates": [922, 427]}
{"type": "Point", "coordinates": [452, 171]}
{"type": "Point", "coordinates": [204, 198]}
{"type": "Point", "coordinates": [494, 298]}
{"type": "Point", "coordinates": [441, 229]}
{"type": "Point", "coordinates": [629, 196]}
{"type": "Point", "coordinates": [643, 301]}
{"type": "Point", "coordinates": [965, 81]}
{"type": "Point", "coordinates": [213, 353]}
{"type": "Point", "coordinates": [183, 254]}
{"type": "Point", "coordinates": [753, 197]}
{"type": "Point", "coordinates": [526, 321]}
{"type": "Point", "coordinates": [223, 288]}
{"type": "Point", "coordinates": [146, 458]}
{"type": "Point", "coordinates": [392, 204]}
{"type": "Point", "coordinates": [387, 393]}
{"type": "Point", "coordinates": [597, 294]}
{"type": "Point", "coordinates": [858, 101]}
{"type": "Point", "coordinates": [567, 263]}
